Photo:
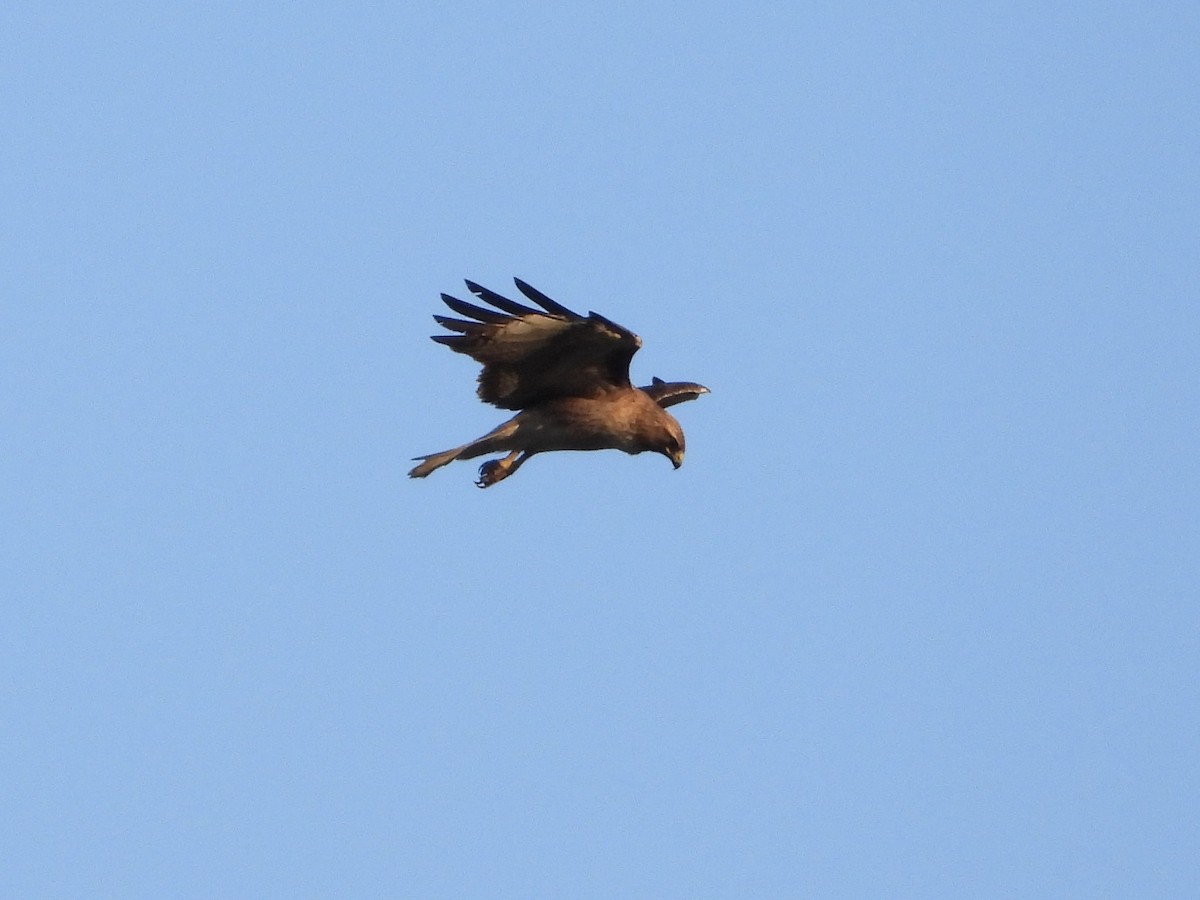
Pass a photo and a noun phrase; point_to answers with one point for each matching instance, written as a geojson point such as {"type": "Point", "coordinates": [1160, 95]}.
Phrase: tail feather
{"type": "Point", "coordinates": [496, 440]}
{"type": "Point", "coordinates": [435, 461]}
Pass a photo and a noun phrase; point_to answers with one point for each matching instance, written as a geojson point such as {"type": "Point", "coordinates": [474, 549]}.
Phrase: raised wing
{"type": "Point", "coordinates": [533, 355]}
{"type": "Point", "coordinates": [668, 393]}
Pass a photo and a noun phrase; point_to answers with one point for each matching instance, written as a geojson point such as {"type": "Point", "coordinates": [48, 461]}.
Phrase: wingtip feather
{"type": "Point", "coordinates": [552, 306]}
{"type": "Point", "coordinates": [499, 300]}
{"type": "Point", "coordinates": [487, 316]}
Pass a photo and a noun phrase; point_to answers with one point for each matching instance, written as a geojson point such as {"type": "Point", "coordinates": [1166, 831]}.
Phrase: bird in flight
{"type": "Point", "coordinates": [567, 374]}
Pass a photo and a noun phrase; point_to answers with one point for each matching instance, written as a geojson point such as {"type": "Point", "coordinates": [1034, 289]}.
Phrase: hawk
{"type": "Point", "coordinates": [567, 374]}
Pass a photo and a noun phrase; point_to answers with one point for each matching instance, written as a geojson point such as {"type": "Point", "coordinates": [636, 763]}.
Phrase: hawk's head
{"type": "Point", "coordinates": [668, 440]}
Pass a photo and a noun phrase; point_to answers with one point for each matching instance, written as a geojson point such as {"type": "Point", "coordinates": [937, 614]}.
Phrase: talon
{"type": "Point", "coordinates": [490, 472]}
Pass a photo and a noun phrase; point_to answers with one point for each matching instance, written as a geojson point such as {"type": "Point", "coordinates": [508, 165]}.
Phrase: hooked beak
{"type": "Point", "coordinates": [676, 458]}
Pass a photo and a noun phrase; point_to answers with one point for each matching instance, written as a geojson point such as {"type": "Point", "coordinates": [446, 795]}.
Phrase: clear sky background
{"type": "Point", "coordinates": [917, 618]}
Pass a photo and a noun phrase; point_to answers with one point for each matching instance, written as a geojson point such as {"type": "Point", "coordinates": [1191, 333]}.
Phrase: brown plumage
{"type": "Point", "coordinates": [568, 375]}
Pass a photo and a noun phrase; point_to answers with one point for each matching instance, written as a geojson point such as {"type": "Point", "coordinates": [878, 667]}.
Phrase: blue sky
{"type": "Point", "coordinates": [918, 616]}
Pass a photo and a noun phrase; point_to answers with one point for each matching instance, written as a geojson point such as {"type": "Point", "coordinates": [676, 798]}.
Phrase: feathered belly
{"type": "Point", "coordinates": [578, 423]}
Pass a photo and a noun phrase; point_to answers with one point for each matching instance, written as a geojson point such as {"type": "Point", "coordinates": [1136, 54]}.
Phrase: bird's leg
{"type": "Point", "coordinates": [498, 469]}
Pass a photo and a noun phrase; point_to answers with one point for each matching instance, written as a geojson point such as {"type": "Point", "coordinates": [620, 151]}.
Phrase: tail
{"type": "Point", "coordinates": [494, 441]}
{"type": "Point", "coordinates": [435, 461]}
